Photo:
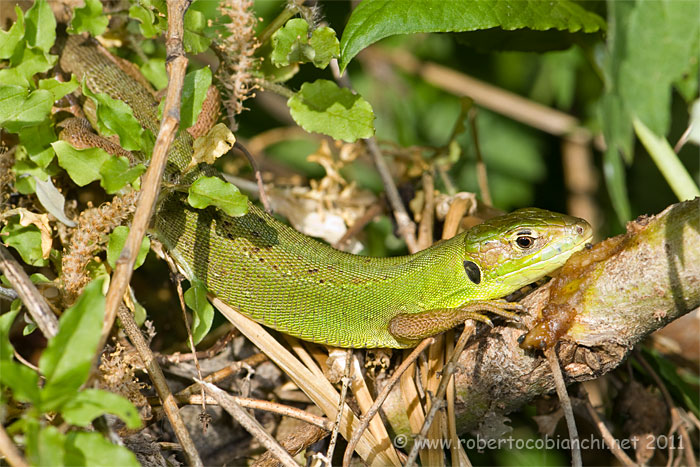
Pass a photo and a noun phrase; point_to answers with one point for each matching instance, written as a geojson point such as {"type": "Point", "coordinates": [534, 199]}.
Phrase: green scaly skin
{"type": "Point", "coordinates": [292, 283]}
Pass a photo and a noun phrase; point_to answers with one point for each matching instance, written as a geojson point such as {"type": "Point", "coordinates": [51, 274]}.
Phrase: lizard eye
{"type": "Point", "coordinates": [525, 242]}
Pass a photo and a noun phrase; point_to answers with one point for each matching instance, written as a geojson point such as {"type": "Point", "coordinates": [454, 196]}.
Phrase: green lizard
{"type": "Point", "coordinates": [292, 283]}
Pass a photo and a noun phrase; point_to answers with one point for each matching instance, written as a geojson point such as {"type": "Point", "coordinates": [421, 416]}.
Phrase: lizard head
{"type": "Point", "coordinates": [506, 253]}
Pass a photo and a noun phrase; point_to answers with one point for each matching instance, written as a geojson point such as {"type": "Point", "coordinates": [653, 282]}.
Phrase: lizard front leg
{"type": "Point", "coordinates": [417, 326]}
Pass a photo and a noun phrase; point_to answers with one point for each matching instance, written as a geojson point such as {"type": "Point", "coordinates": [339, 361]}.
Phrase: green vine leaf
{"type": "Point", "coordinates": [373, 20]}
{"type": "Point", "coordinates": [323, 107]}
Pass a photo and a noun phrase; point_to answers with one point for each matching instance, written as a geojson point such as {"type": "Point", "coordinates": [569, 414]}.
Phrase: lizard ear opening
{"type": "Point", "coordinates": [473, 271]}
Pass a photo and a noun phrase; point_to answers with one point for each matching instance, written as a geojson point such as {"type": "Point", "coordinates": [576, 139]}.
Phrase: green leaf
{"type": "Point", "coordinates": [66, 361]}
{"type": "Point", "coordinates": [89, 19]}
{"type": "Point", "coordinates": [614, 172]}
{"type": "Point", "coordinates": [82, 165]}
{"type": "Point", "coordinates": [148, 24]}
{"type": "Point", "coordinates": [26, 240]}
{"type": "Point", "coordinates": [6, 320]}
{"type": "Point", "coordinates": [323, 107]}
{"type": "Point", "coordinates": [25, 65]}
{"type": "Point", "coordinates": [373, 20]}
{"type": "Point", "coordinates": [116, 173]}
{"type": "Point", "coordinates": [196, 300]}
{"type": "Point", "coordinates": [11, 40]}
{"type": "Point", "coordinates": [667, 161]}
{"type": "Point", "coordinates": [36, 140]}
{"type": "Point", "coordinates": [292, 44]}
{"type": "Point", "coordinates": [194, 90]}
{"type": "Point", "coordinates": [92, 449]}
{"type": "Point", "coordinates": [57, 88]}
{"type": "Point", "coordinates": [194, 38]}
{"type": "Point", "coordinates": [154, 71]}
{"type": "Point", "coordinates": [44, 445]}
{"type": "Point", "coordinates": [40, 26]}
{"type": "Point", "coordinates": [22, 380]}
{"type": "Point", "coordinates": [212, 191]}
{"type": "Point", "coordinates": [117, 240]}
{"type": "Point", "coordinates": [647, 52]}
{"type": "Point", "coordinates": [325, 45]}
{"type": "Point", "coordinates": [658, 53]}
{"type": "Point", "coordinates": [91, 403]}
{"type": "Point", "coordinates": [115, 117]}
{"type": "Point", "coordinates": [19, 108]}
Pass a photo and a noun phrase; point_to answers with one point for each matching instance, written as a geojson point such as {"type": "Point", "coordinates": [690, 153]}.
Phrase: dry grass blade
{"type": "Point", "coordinates": [249, 423]}
{"type": "Point", "coordinates": [319, 390]}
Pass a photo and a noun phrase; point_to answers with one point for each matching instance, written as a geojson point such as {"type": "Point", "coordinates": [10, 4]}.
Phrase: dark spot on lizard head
{"type": "Point", "coordinates": [312, 271]}
{"type": "Point", "coordinates": [321, 281]}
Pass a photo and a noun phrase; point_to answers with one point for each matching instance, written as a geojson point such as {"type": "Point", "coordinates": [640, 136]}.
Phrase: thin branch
{"type": "Point", "coordinates": [354, 229]}
{"type": "Point", "coordinates": [341, 403]}
{"type": "Point", "coordinates": [486, 95]}
{"type": "Point", "coordinates": [437, 399]}
{"type": "Point", "coordinates": [366, 418]}
{"type": "Point", "coordinates": [481, 175]}
{"type": "Point", "coordinates": [258, 175]}
{"type": "Point", "coordinates": [9, 451]}
{"type": "Point", "coordinates": [160, 384]}
{"type": "Point", "coordinates": [190, 339]}
{"type": "Point", "coordinates": [425, 228]}
{"type": "Point", "coordinates": [176, 64]}
{"type": "Point", "coordinates": [565, 401]}
{"type": "Point", "coordinates": [675, 416]}
{"type": "Point", "coordinates": [255, 404]}
{"type": "Point", "coordinates": [608, 437]}
{"type": "Point", "coordinates": [249, 423]}
{"type": "Point", "coordinates": [8, 294]}
{"type": "Point", "coordinates": [38, 308]}
{"type": "Point", "coordinates": [407, 228]}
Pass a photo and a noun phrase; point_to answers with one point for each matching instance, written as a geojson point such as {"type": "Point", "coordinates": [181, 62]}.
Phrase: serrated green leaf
{"type": "Point", "coordinates": [66, 361]}
{"type": "Point", "coordinates": [196, 300]}
{"type": "Point", "coordinates": [6, 320]}
{"type": "Point", "coordinates": [58, 88]}
{"type": "Point", "coordinates": [149, 25]}
{"type": "Point", "coordinates": [44, 445]}
{"type": "Point", "coordinates": [91, 403]}
{"type": "Point", "coordinates": [373, 20]}
{"type": "Point", "coordinates": [82, 165]}
{"type": "Point", "coordinates": [89, 19]}
{"type": "Point", "coordinates": [155, 73]}
{"type": "Point", "coordinates": [325, 45]}
{"type": "Point", "coordinates": [323, 107]}
{"type": "Point", "coordinates": [19, 108]}
{"type": "Point", "coordinates": [40, 26]}
{"type": "Point", "coordinates": [292, 44]}
{"type": "Point", "coordinates": [22, 380]}
{"type": "Point", "coordinates": [117, 240]}
{"type": "Point", "coordinates": [115, 117]}
{"type": "Point", "coordinates": [11, 39]}
{"type": "Point", "coordinates": [93, 450]}
{"type": "Point", "coordinates": [26, 240]}
{"type": "Point", "coordinates": [194, 90]}
{"type": "Point", "coordinates": [212, 191]}
{"type": "Point", "coordinates": [116, 173]}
